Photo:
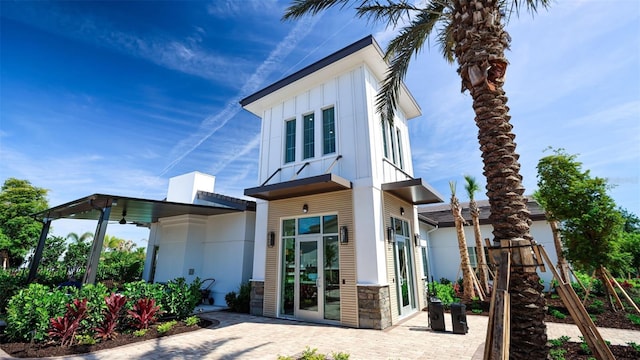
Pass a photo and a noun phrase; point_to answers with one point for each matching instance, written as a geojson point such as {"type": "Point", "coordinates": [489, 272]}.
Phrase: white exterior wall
{"type": "Point", "coordinates": [260, 243]}
{"type": "Point", "coordinates": [219, 247]}
{"type": "Point", "coordinates": [444, 257]}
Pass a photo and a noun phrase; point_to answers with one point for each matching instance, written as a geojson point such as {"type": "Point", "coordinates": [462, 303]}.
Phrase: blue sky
{"type": "Point", "coordinates": [117, 97]}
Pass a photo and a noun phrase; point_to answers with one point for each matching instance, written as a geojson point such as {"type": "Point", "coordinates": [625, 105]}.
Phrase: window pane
{"type": "Point", "coordinates": [308, 145]}
{"type": "Point", "coordinates": [310, 225]}
{"type": "Point", "coordinates": [393, 143]}
{"type": "Point", "coordinates": [425, 265]}
{"type": "Point", "coordinates": [331, 278]}
{"type": "Point", "coordinates": [384, 140]}
{"type": "Point", "coordinates": [473, 260]}
{"type": "Point", "coordinates": [330, 224]}
{"type": "Point", "coordinates": [288, 276]}
{"type": "Point", "coordinates": [290, 138]}
{"type": "Point", "coordinates": [399, 138]}
{"type": "Point", "coordinates": [288, 227]}
{"type": "Point", "coordinates": [328, 132]}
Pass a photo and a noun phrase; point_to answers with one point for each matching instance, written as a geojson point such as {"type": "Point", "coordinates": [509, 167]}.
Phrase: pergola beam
{"type": "Point", "coordinates": [37, 256]}
{"type": "Point", "coordinates": [96, 247]}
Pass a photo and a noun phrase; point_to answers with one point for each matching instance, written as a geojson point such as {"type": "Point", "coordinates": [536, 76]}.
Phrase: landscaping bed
{"type": "Point", "coordinates": [48, 349]}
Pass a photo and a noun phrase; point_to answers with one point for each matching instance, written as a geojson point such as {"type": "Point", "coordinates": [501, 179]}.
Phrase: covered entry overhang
{"type": "Point", "coordinates": [127, 210]}
{"type": "Point", "coordinates": [300, 187]}
{"type": "Point", "coordinates": [414, 191]}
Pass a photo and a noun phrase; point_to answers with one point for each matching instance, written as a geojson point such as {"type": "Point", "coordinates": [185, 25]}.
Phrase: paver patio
{"type": "Point", "coordinates": [240, 336]}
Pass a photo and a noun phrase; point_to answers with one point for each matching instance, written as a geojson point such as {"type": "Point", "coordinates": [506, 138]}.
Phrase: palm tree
{"type": "Point", "coordinates": [468, 291]}
{"type": "Point", "coordinates": [472, 32]}
{"type": "Point", "coordinates": [80, 238]}
{"type": "Point", "coordinates": [472, 186]}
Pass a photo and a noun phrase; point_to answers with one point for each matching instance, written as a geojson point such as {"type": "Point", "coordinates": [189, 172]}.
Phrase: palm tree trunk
{"type": "Point", "coordinates": [467, 279]}
{"type": "Point", "coordinates": [563, 266]}
{"type": "Point", "coordinates": [481, 39]}
{"type": "Point", "coordinates": [483, 275]}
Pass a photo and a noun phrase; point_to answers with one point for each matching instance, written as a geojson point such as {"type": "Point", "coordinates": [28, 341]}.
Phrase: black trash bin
{"type": "Point", "coordinates": [459, 318]}
{"type": "Point", "coordinates": [436, 314]}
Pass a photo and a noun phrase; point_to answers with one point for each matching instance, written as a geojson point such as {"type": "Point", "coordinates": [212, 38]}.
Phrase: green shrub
{"type": "Point", "coordinates": [340, 356]}
{"type": "Point", "coordinates": [312, 354]}
{"type": "Point", "coordinates": [138, 290]}
{"type": "Point", "coordinates": [584, 347]}
{"type": "Point", "coordinates": [29, 312]}
{"type": "Point", "coordinates": [476, 311]}
{"type": "Point", "coordinates": [10, 283]}
{"type": "Point", "coordinates": [239, 302]}
{"type": "Point", "coordinates": [596, 307]}
{"type": "Point", "coordinates": [444, 292]}
{"type": "Point", "coordinates": [559, 341]}
{"type": "Point", "coordinates": [557, 354]}
{"type": "Point", "coordinates": [556, 313]}
{"type": "Point", "coordinates": [163, 328]}
{"type": "Point", "coordinates": [96, 305]}
{"type": "Point", "coordinates": [635, 346]}
{"type": "Point", "coordinates": [191, 320]}
{"type": "Point", "coordinates": [180, 298]}
{"type": "Point", "coordinates": [85, 340]}
{"type": "Point", "coordinates": [634, 318]}
{"type": "Point", "coordinates": [140, 332]}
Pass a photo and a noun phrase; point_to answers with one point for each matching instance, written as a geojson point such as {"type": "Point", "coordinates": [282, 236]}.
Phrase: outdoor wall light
{"type": "Point", "coordinates": [271, 239]}
{"type": "Point", "coordinates": [344, 234]}
{"type": "Point", "coordinates": [401, 211]}
{"type": "Point", "coordinates": [391, 235]}
{"type": "Point", "coordinates": [305, 208]}
{"type": "Point", "coordinates": [123, 220]}
{"type": "Point", "coordinates": [417, 239]}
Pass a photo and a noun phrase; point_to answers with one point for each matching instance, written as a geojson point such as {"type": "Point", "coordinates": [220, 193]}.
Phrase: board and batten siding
{"type": "Point", "coordinates": [340, 203]}
{"type": "Point", "coordinates": [392, 207]}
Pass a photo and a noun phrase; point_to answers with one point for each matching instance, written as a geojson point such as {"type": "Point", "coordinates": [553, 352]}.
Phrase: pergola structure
{"type": "Point", "coordinates": [126, 210]}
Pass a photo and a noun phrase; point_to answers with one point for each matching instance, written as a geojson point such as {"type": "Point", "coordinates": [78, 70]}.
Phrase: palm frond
{"type": "Point", "coordinates": [391, 12]}
{"type": "Point", "coordinates": [513, 6]}
{"type": "Point", "coordinates": [300, 8]}
{"type": "Point", "coordinates": [399, 53]}
{"type": "Point", "coordinates": [471, 186]}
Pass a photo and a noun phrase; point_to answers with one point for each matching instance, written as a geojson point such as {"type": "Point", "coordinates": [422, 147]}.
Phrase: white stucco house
{"type": "Point", "coordinates": [339, 231]}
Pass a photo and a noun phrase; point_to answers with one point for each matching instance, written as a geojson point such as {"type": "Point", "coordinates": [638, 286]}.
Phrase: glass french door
{"type": "Point", "coordinates": [310, 283]}
{"type": "Point", "coordinates": [309, 302]}
{"type": "Point", "coordinates": [404, 267]}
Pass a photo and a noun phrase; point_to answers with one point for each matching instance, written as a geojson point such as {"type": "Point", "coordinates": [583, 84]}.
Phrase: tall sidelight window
{"type": "Point", "coordinates": [290, 141]}
{"type": "Point", "coordinates": [328, 131]}
{"type": "Point", "coordinates": [399, 138]}
{"type": "Point", "coordinates": [393, 143]}
{"type": "Point", "coordinates": [385, 144]}
{"type": "Point", "coordinates": [308, 137]}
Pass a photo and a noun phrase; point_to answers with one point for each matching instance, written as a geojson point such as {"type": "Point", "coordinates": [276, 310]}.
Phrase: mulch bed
{"type": "Point", "coordinates": [574, 352]}
{"type": "Point", "coordinates": [22, 350]}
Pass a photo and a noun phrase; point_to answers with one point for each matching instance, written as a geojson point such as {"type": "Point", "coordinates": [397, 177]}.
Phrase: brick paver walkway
{"type": "Point", "coordinates": [248, 337]}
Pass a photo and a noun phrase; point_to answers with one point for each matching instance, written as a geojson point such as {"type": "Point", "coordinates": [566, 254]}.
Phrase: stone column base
{"type": "Point", "coordinates": [257, 298]}
{"type": "Point", "coordinates": [374, 307]}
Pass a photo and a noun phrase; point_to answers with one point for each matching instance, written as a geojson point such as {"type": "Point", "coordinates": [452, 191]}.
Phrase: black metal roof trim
{"type": "Point", "coordinates": [442, 216]}
{"type": "Point", "coordinates": [229, 201]}
{"type": "Point", "coordinates": [340, 54]}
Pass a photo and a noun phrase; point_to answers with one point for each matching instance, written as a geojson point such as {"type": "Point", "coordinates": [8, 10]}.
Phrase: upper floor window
{"type": "Point", "coordinates": [399, 138]}
{"type": "Point", "coordinates": [328, 131]}
{"type": "Point", "coordinates": [384, 139]}
{"type": "Point", "coordinates": [392, 144]}
{"type": "Point", "coordinates": [308, 145]}
{"type": "Point", "coordinates": [290, 141]}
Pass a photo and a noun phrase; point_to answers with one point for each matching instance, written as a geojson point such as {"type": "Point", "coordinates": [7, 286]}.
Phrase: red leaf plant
{"type": "Point", "coordinates": [107, 330]}
{"type": "Point", "coordinates": [144, 313]}
{"type": "Point", "coordinates": [65, 327]}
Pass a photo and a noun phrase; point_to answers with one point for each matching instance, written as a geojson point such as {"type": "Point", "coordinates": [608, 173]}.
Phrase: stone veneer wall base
{"type": "Point", "coordinates": [256, 304]}
{"type": "Point", "coordinates": [374, 307]}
